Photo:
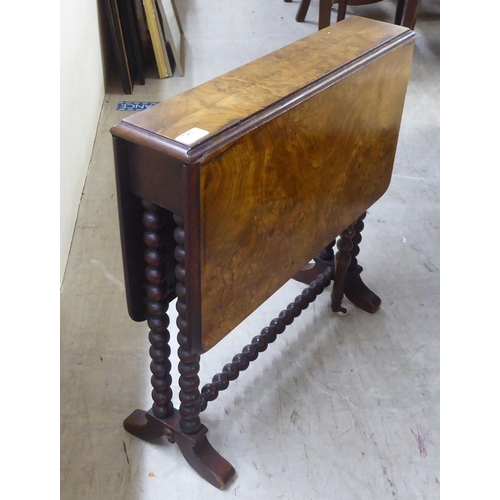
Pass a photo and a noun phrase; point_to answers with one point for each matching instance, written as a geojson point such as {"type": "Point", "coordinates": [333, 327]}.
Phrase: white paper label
{"type": "Point", "coordinates": [191, 135]}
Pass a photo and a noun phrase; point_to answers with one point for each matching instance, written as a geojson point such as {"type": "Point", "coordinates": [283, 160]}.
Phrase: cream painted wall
{"type": "Point", "coordinates": [82, 95]}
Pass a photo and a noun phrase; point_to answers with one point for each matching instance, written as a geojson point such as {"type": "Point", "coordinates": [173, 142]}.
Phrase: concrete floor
{"type": "Point", "coordinates": [339, 407]}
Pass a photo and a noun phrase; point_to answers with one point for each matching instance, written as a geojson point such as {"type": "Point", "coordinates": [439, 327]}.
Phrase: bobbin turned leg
{"type": "Point", "coordinates": [190, 434]}
{"type": "Point", "coordinates": [157, 305]}
{"type": "Point", "coordinates": [354, 288]}
{"type": "Point", "coordinates": [342, 261]}
{"type": "Point", "coordinates": [181, 426]}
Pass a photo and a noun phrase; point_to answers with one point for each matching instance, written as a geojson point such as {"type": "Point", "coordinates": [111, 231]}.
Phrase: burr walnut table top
{"type": "Point", "coordinates": [232, 99]}
{"type": "Point", "coordinates": [294, 147]}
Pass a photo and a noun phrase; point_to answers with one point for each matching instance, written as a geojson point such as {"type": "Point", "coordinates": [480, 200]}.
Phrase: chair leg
{"type": "Point", "coordinates": [399, 12]}
{"type": "Point", "coordinates": [341, 10]}
{"type": "Point", "coordinates": [301, 13]}
{"type": "Point", "coordinates": [410, 16]}
{"type": "Point", "coordinates": [325, 10]}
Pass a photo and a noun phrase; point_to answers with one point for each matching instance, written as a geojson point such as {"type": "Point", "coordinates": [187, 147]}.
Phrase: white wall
{"type": "Point", "coordinates": [82, 94]}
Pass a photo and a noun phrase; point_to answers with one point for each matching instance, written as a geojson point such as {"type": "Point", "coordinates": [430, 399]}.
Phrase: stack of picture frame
{"type": "Point", "coordinates": [145, 30]}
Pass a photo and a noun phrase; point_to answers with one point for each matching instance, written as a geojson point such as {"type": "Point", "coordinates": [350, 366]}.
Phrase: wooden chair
{"type": "Point", "coordinates": [406, 11]}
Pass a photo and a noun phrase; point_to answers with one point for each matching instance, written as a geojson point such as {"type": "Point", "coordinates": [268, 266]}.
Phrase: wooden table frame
{"type": "Point", "coordinates": [341, 114]}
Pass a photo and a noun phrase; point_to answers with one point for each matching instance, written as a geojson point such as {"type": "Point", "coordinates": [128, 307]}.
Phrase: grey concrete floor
{"type": "Point", "coordinates": [337, 408]}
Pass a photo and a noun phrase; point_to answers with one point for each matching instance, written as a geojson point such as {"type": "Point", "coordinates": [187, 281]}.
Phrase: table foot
{"type": "Point", "coordinates": [325, 259]}
{"type": "Point", "coordinates": [346, 282]}
{"type": "Point", "coordinates": [358, 293]}
{"type": "Point", "coordinates": [311, 271]}
{"type": "Point", "coordinates": [195, 448]}
{"type": "Point", "coordinates": [205, 460]}
{"type": "Point", "coordinates": [354, 287]}
{"type": "Point", "coordinates": [144, 426]}
{"type": "Point", "coordinates": [339, 308]}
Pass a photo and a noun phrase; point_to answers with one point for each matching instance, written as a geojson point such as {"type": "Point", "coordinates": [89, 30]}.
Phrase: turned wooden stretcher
{"type": "Point", "coordinates": [228, 190]}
